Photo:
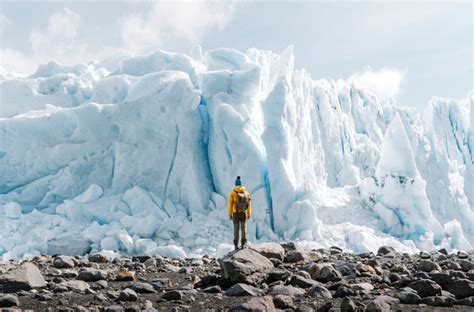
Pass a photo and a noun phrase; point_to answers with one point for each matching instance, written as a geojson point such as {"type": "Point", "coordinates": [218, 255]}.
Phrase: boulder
{"type": "Point", "coordinates": [270, 250]}
{"type": "Point", "coordinates": [78, 286]}
{"type": "Point", "coordinates": [347, 305]}
{"type": "Point", "coordinates": [280, 275]}
{"type": "Point", "coordinates": [9, 301]}
{"type": "Point", "coordinates": [97, 258]}
{"type": "Point", "coordinates": [408, 297]}
{"type": "Point", "coordinates": [143, 288]}
{"type": "Point", "coordinates": [386, 250]}
{"type": "Point", "coordinates": [466, 265]}
{"type": "Point", "coordinates": [283, 302]}
{"type": "Point", "coordinates": [324, 272]}
{"type": "Point", "coordinates": [127, 295]}
{"type": "Point", "coordinates": [302, 282]}
{"type": "Point", "coordinates": [125, 276]}
{"type": "Point", "coordinates": [461, 288]}
{"type": "Point", "coordinates": [438, 301]}
{"type": "Point", "coordinates": [257, 304]}
{"type": "Point", "coordinates": [26, 277]}
{"type": "Point", "coordinates": [426, 287]}
{"type": "Point", "coordinates": [241, 289]}
{"type": "Point", "coordinates": [428, 266]}
{"type": "Point", "coordinates": [92, 275]}
{"type": "Point", "coordinates": [245, 266]}
{"type": "Point", "coordinates": [63, 262]}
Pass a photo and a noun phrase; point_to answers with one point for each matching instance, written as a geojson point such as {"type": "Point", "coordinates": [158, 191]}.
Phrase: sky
{"type": "Point", "coordinates": [410, 50]}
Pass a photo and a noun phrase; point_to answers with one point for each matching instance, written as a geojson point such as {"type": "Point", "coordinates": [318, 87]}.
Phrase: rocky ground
{"type": "Point", "coordinates": [264, 277]}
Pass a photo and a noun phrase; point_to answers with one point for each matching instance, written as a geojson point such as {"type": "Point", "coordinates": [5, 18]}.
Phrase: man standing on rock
{"type": "Point", "coordinates": [239, 211]}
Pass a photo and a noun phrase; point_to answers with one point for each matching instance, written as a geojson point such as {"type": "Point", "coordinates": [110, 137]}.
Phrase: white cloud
{"type": "Point", "coordinates": [384, 83]}
{"type": "Point", "coordinates": [4, 21]}
{"type": "Point", "coordinates": [187, 21]}
{"type": "Point", "coordinates": [57, 41]}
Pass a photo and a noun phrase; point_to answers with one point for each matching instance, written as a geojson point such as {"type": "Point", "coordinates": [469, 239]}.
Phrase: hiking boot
{"type": "Point", "coordinates": [244, 244]}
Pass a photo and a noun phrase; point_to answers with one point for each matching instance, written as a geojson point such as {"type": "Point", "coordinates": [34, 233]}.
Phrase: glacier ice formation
{"type": "Point", "coordinates": [136, 154]}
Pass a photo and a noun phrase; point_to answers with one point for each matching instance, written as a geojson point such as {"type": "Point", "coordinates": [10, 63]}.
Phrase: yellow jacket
{"type": "Point", "coordinates": [233, 198]}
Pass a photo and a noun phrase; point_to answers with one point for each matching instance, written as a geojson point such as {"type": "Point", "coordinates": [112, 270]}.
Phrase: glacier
{"type": "Point", "coordinates": [136, 154]}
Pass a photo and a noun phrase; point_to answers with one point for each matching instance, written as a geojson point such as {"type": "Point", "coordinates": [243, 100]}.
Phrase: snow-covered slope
{"type": "Point", "coordinates": [137, 154]}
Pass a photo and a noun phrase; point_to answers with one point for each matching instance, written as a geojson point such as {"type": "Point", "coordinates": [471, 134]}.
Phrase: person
{"type": "Point", "coordinates": [239, 210]}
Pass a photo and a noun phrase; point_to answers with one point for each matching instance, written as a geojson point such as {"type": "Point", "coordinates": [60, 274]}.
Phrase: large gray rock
{"type": "Point", "coordinates": [143, 288]}
{"type": "Point", "coordinates": [25, 277]}
{"type": "Point", "coordinates": [408, 297]}
{"type": "Point", "coordinates": [302, 282]}
{"type": "Point", "coordinates": [428, 266]}
{"type": "Point", "coordinates": [127, 295]}
{"type": "Point", "coordinates": [461, 288]}
{"type": "Point", "coordinates": [79, 286]}
{"type": "Point", "coordinates": [283, 302]}
{"type": "Point", "coordinates": [92, 275]}
{"type": "Point", "coordinates": [426, 287]}
{"type": "Point", "coordinates": [257, 304]}
{"type": "Point", "coordinates": [270, 250]}
{"type": "Point", "coordinates": [241, 289]}
{"type": "Point", "coordinates": [245, 266]}
{"type": "Point", "coordinates": [324, 272]}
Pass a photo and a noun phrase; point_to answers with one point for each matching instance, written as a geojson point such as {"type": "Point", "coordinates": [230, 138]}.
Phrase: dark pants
{"type": "Point", "coordinates": [240, 220]}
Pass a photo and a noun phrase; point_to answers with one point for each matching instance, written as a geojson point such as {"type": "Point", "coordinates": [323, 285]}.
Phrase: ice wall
{"type": "Point", "coordinates": [134, 153]}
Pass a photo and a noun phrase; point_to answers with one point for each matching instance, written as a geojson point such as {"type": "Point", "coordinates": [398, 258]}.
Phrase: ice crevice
{"type": "Point", "coordinates": [137, 154]}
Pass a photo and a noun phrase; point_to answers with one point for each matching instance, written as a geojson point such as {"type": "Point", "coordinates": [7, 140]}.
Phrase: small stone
{"type": "Point", "coordinates": [97, 258]}
{"type": "Point", "coordinates": [283, 302]}
{"type": "Point", "coordinates": [347, 305]}
{"type": "Point", "coordinates": [270, 250]}
{"type": "Point", "coordinates": [428, 266]}
{"type": "Point", "coordinates": [425, 255]}
{"type": "Point", "coordinates": [466, 265]}
{"type": "Point", "coordinates": [128, 295]}
{"type": "Point", "coordinates": [63, 262]}
{"type": "Point", "coordinates": [443, 251]}
{"type": "Point", "coordinates": [462, 255]}
{"type": "Point", "coordinates": [99, 285]}
{"type": "Point", "coordinates": [151, 262]}
{"type": "Point", "coordinates": [285, 290]}
{"type": "Point", "coordinates": [280, 275]}
{"type": "Point", "coordinates": [241, 289]}
{"type": "Point", "coordinates": [302, 282]}
{"type": "Point", "coordinates": [114, 308]}
{"type": "Point", "coordinates": [363, 286]}
{"type": "Point", "coordinates": [385, 250]}
{"type": "Point", "coordinates": [143, 288]}
{"type": "Point", "coordinates": [381, 303]}
{"type": "Point", "coordinates": [213, 289]}
{"type": "Point", "coordinates": [264, 303]}
{"type": "Point", "coordinates": [173, 295]}
{"type": "Point", "coordinates": [294, 256]}
{"type": "Point", "coordinates": [125, 276]}
{"type": "Point", "coordinates": [438, 301]}
{"type": "Point", "coordinates": [8, 301]}
{"type": "Point", "coordinates": [319, 292]}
